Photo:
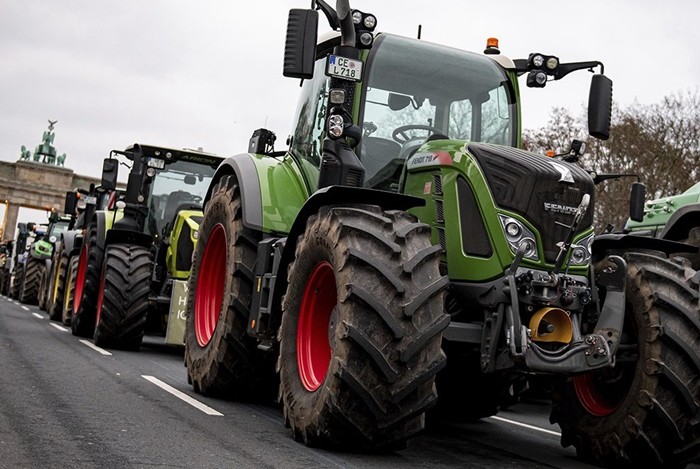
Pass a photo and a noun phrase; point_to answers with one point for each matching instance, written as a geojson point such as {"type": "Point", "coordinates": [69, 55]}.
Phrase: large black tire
{"type": "Point", "coordinates": [642, 412]}
{"type": "Point", "coordinates": [54, 303]}
{"type": "Point", "coordinates": [87, 284]}
{"type": "Point", "coordinates": [221, 358]}
{"type": "Point", "coordinates": [29, 291]}
{"type": "Point", "coordinates": [122, 304]}
{"type": "Point", "coordinates": [69, 291]}
{"type": "Point", "coordinates": [17, 281]}
{"type": "Point", "coordinates": [361, 329]}
{"type": "Point", "coordinates": [42, 291]}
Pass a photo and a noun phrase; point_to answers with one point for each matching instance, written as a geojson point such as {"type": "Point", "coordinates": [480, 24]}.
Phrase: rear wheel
{"type": "Point", "coordinates": [122, 303]}
{"type": "Point", "coordinates": [87, 284]}
{"type": "Point", "coordinates": [69, 290]}
{"type": "Point", "coordinates": [643, 411]}
{"type": "Point", "coordinates": [43, 288]}
{"type": "Point", "coordinates": [57, 286]}
{"type": "Point", "coordinates": [221, 358]}
{"type": "Point", "coordinates": [17, 281]}
{"type": "Point", "coordinates": [29, 291]}
{"type": "Point", "coordinates": [361, 329]}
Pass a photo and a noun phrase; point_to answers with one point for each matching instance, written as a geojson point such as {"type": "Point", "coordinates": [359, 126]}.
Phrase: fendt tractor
{"type": "Point", "coordinates": [676, 218]}
{"type": "Point", "coordinates": [135, 260]}
{"type": "Point", "coordinates": [404, 252]}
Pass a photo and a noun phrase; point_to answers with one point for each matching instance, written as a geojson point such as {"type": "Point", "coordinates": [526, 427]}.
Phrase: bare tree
{"type": "Point", "coordinates": [658, 143]}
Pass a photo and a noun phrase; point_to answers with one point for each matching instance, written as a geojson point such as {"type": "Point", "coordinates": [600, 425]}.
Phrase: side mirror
{"type": "Point", "coordinates": [110, 168]}
{"type": "Point", "coordinates": [71, 202]}
{"type": "Point", "coordinates": [637, 196]}
{"type": "Point", "coordinates": [600, 107]}
{"type": "Point", "coordinates": [300, 45]}
{"type": "Point", "coordinates": [397, 102]}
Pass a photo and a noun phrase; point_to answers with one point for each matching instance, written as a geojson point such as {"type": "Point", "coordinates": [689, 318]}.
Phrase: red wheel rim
{"type": "Point", "coordinates": [596, 398]}
{"type": "Point", "coordinates": [313, 347]}
{"type": "Point", "coordinates": [209, 294]}
{"type": "Point", "coordinates": [80, 277]}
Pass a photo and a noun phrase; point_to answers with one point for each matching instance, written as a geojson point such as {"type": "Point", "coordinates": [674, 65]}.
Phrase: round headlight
{"type": "Point", "coordinates": [357, 17]}
{"type": "Point", "coordinates": [150, 172]}
{"type": "Point", "coordinates": [366, 39]}
{"type": "Point", "coordinates": [370, 22]}
{"type": "Point", "coordinates": [52, 239]}
{"type": "Point", "coordinates": [530, 247]}
{"type": "Point", "coordinates": [513, 230]}
{"type": "Point", "coordinates": [578, 255]}
{"type": "Point", "coordinates": [537, 60]}
{"type": "Point", "coordinates": [541, 78]}
{"type": "Point", "coordinates": [552, 63]}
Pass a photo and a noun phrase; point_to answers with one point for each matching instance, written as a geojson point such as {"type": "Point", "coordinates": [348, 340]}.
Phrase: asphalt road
{"type": "Point", "coordinates": [66, 404]}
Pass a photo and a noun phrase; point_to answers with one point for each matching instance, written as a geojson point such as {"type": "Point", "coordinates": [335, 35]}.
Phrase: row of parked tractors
{"type": "Point", "coordinates": [402, 261]}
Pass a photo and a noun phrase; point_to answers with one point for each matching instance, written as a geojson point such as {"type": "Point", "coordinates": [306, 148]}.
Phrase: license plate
{"type": "Point", "coordinates": [342, 67]}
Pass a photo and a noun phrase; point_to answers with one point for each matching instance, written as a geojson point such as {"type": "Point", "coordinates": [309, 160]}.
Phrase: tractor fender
{"type": "Point", "coordinates": [333, 195]}
{"type": "Point", "coordinates": [251, 196]}
{"type": "Point", "coordinates": [116, 235]}
{"type": "Point", "coordinates": [68, 239]}
{"type": "Point", "coordinates": [681, 222]}
{"type": "Point", "coordinates": [606, 244]}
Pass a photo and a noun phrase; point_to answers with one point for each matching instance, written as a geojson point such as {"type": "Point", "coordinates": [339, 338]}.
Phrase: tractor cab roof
{"type": "Point", "coordinates": [171, 154]}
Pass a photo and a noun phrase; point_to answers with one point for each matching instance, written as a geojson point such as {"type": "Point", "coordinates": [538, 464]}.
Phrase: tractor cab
{"type": "Point", "coordinates": [162, 182]}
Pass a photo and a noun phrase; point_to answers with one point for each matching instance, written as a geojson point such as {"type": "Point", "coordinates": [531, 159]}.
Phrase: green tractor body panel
{"type": "Point", "coordinates": [282, 191]}
{"type": "Point", "coordinates": [657, 213]}
{"type": "Point", "coordinates": [466, 219]}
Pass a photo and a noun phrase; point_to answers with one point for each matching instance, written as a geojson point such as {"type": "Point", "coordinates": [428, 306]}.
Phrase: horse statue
{"type": "Point", "coordinates": [60, 160]}
{"type": "Point", "coordinates": [25, 154]}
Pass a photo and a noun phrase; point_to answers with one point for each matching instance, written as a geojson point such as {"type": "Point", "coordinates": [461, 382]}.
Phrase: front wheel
{"type": "Point", "coordinates": [122, 302]}
{"type": "Point", "coordinates": [361, 329]}
{"type": "Point", "coordinates": [69, 290]}
{"type": "Point", "coordinates": [29, 291]}
{"type": "Point", "coordinates": [644, 410]}
{"type": "Point", "coordinates": [221, 358]}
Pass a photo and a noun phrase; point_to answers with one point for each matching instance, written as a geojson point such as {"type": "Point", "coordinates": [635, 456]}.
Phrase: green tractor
{"type": "Point", "coordinates": [37, 262]}
{"type": "Point", "coordinates": [43, 250]}
{"type": "Point", "coordinates": [404, 257]}
{"type": "Point", "coordinates": [135, 259]}
{"type": "Point", "coordinates": [676, 218]}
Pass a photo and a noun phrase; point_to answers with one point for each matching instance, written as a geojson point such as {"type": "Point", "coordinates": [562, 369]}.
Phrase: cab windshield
{"type": "Point", "coordinates": [415, 89]}
{"type": "Point", "coordinates": [180, 185]}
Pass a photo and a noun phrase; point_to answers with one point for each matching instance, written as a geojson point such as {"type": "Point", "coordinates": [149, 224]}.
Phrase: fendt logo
{"type": "Point", "coordinates": [564, 172]}
{"type": "Point", "coordinates": [558, 208]}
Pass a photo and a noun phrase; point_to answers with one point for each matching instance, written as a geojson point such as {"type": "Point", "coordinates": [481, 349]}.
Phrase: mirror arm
{"type": "Point", "coordinates": [565, 69]}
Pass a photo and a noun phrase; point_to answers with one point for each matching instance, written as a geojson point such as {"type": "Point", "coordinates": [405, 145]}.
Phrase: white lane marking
{"type": "Point", "coordinates": [520, 424]}
{"type": "Point", "coordinates": [24, 308]}
{"type": "Point", "coordinates": [16, 302]}
{"type": "Point", "coordinates": [60, 328]}
{"type": "Point", "coordinates": [181, 395]}
{"type": "Point", "coordinates": [95, 347]}
{"type": "Point", "coordinates": [37, 315]}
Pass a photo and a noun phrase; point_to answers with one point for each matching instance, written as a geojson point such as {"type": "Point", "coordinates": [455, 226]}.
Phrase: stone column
{"type": "Point", "coordinates": [10, 223]}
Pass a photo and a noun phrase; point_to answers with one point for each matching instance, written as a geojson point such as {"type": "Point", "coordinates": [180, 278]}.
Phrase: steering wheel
{"type": "Point", "coordinates": [402, 134]}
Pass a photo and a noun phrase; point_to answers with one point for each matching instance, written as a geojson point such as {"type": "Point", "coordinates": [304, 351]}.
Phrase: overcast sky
{"type": "Point", "coordinates": [206, 73]}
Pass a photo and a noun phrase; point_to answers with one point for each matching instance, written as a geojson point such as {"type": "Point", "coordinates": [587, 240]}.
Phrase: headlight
{"type": "Point", "coordinates": [517, 234]}
{"type": "Point", "coordinates": [581, 252]}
